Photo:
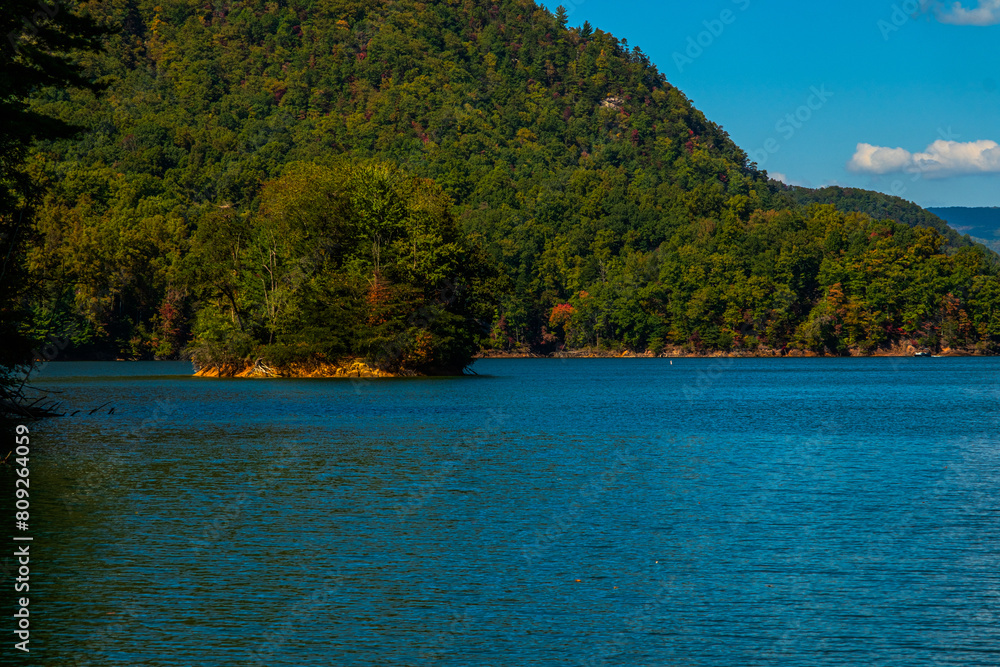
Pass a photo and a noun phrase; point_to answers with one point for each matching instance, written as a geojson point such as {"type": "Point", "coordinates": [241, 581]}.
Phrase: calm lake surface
{"type": "Point", "coordinates": [548, 512]}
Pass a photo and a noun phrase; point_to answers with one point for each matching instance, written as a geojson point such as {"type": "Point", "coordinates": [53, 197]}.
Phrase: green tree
{"type": "Point", "coordinates": [41, 46]}
{"type": "Point", "coordinates": [353, 259]}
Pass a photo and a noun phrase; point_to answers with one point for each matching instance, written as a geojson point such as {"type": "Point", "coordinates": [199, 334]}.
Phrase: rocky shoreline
{"type": "Point", "coordinates": [907, 350]}
{"type": "Point", "coordinates": [359, 368]}
{"type": "Point", "coordinates": [348, 369]}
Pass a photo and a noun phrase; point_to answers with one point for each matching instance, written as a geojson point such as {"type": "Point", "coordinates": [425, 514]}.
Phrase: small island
{"type": "Point", "coordinates": [346, 269]}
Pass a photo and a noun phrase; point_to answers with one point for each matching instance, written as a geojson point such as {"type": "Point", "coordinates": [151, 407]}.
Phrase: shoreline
{"type": "Point", "coordinates": [356, 368]}
{"type": "Point", "coordinates": [763, 353]}
{"type": "Point", "coordinates": [347, 369]}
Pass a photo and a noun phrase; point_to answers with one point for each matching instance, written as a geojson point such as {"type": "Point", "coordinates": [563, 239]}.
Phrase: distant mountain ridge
{"type": "Point", "coordinates": [980, 223]}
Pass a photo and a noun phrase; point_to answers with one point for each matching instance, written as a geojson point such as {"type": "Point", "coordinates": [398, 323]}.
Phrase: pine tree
{"type": "Point", "coordinates": [38, 49]}
{"type": "Point", "coordinates": [561, 16]}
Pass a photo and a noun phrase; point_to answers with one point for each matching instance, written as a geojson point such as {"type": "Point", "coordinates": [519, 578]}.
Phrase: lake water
{"type": "Point", "coordinates": [547, 512]}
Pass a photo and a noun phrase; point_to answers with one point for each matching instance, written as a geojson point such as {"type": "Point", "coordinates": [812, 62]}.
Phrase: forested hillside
{"type": "Point", "coordinates": [593, 202]}
{"type": "Point", "coordinates": [881, 207]}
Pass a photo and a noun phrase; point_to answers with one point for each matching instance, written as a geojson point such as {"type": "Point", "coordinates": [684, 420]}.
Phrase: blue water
{"type": "Point", "coordinates": [576, 512]}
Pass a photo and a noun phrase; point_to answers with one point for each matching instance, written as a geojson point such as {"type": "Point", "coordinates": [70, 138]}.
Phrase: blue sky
{"type": "Point", "coordinates": [900, 97]}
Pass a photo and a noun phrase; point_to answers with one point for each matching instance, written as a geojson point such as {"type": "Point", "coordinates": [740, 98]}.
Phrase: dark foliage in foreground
{"type": "Point", "coordinates": [38, 48]}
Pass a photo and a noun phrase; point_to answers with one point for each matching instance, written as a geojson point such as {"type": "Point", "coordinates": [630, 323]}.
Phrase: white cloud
{"type": "Point", "coordinates": [986, 12]}
{"type": "Point", "coordinates": [940, 160]}
{"type": "Point", "coordinates": [879, 160]}
{"type": "Point", "coordinates": [778, 176]}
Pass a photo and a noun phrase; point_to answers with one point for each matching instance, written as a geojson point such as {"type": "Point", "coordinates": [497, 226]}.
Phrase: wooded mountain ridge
{"type": "Point", "coordinates": [547, 174]}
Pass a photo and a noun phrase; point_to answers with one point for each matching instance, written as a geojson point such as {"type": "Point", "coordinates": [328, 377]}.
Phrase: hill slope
{"type": "Point", "coordinates": [618, 212]}
{"type": "Point", "coordinates": [881, 207]}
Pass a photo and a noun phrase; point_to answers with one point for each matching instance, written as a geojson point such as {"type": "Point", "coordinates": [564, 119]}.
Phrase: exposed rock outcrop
{"type": "Point", "coordinates": [346, 368]}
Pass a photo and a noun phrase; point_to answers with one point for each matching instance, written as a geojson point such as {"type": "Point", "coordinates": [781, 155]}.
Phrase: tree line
{"type": "Point", "coordinates": [412, 181]}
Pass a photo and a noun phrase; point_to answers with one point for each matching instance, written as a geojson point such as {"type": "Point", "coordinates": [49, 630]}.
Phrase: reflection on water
{"type": "Point", "coordinates": [592, 512]}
